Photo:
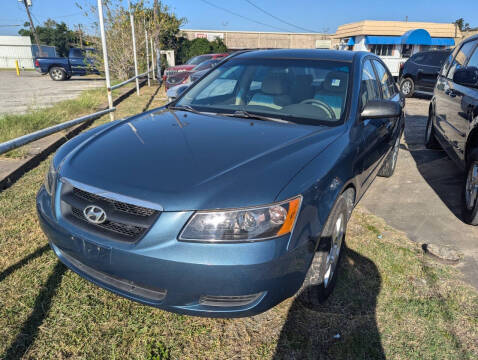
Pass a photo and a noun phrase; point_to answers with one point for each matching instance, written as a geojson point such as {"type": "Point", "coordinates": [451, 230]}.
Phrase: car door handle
{"type": "Point", "coordinates": [450, 92]}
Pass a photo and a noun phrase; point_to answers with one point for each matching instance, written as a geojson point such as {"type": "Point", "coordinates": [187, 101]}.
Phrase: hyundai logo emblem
{"type": "Point", "coordinates": [94, 214]}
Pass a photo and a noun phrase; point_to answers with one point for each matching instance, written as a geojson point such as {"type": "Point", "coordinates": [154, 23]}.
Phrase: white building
{"type": "Point", "coordinates": [20, 48]}
{"type": "Point", "coordinates": [396, 41]}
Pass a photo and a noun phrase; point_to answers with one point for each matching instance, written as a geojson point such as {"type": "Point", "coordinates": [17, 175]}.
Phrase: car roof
{"type": "Point", "coordinates": [307, 54]}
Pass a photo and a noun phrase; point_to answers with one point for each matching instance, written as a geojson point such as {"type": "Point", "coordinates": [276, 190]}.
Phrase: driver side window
{"type": "Point", "coordinates": [369, 87]}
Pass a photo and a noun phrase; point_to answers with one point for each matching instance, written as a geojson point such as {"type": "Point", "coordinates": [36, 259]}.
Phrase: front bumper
{"type": "Point", "coordinates": [160, 271]}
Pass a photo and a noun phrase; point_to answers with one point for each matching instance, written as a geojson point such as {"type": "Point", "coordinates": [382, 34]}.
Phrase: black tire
{"type": "Point", "coordinates": [317, 287]}
{"type": "Point", "coordinates": [390, 163]}
{"type": "Point", "coordinates": [431, 141]}
{"type": "Point", "coordinates": [407, 87]}
{"type": "Point", "coordinates": [57, 73]}
{"type": "Point", "coordinates": [470, 202]}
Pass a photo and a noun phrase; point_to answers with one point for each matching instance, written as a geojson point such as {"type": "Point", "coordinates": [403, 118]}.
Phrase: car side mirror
{"type": "Point", "coordinates": [466, 76]}
{"type": "Point", "coordinates": [174, 92]}
{"type": "Point", "coordinates": [381, 109]}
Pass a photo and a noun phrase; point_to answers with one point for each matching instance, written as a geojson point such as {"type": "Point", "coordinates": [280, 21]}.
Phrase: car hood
{"type": "Point", "coordinates": [186, 161]}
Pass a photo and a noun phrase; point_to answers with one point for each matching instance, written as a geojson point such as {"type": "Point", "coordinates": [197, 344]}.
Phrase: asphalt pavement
{"type": "Point", "coordinates": [31, 90]}
{"type": "Point", "coordinates": [423, 197]}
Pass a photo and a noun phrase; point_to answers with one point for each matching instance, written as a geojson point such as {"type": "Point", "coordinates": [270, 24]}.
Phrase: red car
{"type": "Point", "coordinates": [190, 64]}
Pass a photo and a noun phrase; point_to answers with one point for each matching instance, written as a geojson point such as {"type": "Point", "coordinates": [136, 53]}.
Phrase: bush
{"type": "Point", "coordinates": [190, 48]}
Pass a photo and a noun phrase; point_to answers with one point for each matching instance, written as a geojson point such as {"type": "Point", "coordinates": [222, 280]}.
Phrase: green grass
{"type": "Point", "coordinates": [12, 125]}
{"type": "Point", "coordinates": [390, 301]}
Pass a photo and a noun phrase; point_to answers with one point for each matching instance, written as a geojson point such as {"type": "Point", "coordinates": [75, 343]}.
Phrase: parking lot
{"type": "Point", "coordinates": [423, 197]}
{"type": "Point", "coordinates": [32, 90]}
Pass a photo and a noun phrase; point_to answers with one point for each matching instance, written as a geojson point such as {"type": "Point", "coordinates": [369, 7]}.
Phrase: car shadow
{"type": "Point", "coordinates": [438, 170]}
{"type": "Point", "coordinates": [29, 330]}
{"type": "Point", "coordinates": [344, 327]}
{"type": "Point", "coordinates": [37, 253]}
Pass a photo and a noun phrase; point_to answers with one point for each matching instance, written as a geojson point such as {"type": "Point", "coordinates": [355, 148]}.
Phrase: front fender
{"type": "Point", "coordinates": [320, 183]}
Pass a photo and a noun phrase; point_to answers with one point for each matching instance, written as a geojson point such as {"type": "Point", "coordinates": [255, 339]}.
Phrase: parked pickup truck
{"type": "Point", "coordinates": [78, 62]}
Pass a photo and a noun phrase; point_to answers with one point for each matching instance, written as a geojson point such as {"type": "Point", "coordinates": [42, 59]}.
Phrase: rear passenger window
{"type": "Point", "coordinates": [474, 59]}
{"type": "Point", "coordinates": [437, 59]}
{"type": "Point", "coordinates": [419, 58]}
{"type": "Point", "coordinates": [385, 80]}
{"type": "Point", "coordinates": [460, 58]}
{"type": "Point", "coordinates": [369, 85]}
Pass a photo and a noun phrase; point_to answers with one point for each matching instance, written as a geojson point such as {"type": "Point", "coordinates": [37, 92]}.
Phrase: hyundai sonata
{"type": "Point", "coordinates": [236, 195]}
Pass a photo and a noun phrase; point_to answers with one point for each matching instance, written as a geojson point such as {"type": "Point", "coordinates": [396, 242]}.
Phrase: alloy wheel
{"type": "Point", "coordinates": [333, 256]}
{"type": "Point", "coordinates": [57, 75]}
{"type": "Point", "coordinates": [406, 87]}
{"type": "Point", "coordinates": [471, 187]}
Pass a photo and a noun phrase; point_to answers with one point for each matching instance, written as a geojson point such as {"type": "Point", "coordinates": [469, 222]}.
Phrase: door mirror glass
{"type": "Point", "coordinates": [175, 91]}
{"type": "Point", "coordinates": [381, 109]}
{"type": "Point", "coordinates": [466, 76]}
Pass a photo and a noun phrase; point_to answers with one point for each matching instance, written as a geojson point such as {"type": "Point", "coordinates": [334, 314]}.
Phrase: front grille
{"type": "Point", "coordinates": [124, 221]}
{"type": "Point", "coordinates": [118, 205]}
{"type": "Point", "coordinates": [124, 229]}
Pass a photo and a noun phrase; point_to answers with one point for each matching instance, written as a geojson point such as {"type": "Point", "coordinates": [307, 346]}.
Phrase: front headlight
{"type": "Point", "coordinates": [50, 179]}
{"type": "Point", "coordinates": [243, 225]}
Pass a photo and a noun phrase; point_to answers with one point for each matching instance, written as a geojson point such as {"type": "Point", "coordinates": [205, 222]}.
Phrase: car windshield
{"type": "Point", "coordinates": [206, 65]}
{"type": "Point", "coordinates": [198, 59]}
{"type": "Point", "coordinates": [297, 90]}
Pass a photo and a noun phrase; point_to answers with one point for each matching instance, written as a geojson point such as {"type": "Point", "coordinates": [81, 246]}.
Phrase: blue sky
{"type": "Point", "coordinates": [316, 15]}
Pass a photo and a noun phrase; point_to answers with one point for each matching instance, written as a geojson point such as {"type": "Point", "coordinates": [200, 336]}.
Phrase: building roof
{"type": "Point", "coordinates": [396, 28]}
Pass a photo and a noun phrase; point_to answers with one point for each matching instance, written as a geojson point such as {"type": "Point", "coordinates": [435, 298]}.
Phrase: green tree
{"type": "Point", "coordinates": [54, 34]}
{"type": "Point", "coordinates": [190, 48]}
{"type": "Point", "coordinates": [158, 19]}
{"type": "Point", "coordinates": [460, 23]}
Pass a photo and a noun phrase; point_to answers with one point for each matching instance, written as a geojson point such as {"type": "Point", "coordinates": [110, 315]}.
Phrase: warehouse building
{"type": "Point", "coordinates": [20, 48]}
{"type": "Point", "coordinates": [242, 40]}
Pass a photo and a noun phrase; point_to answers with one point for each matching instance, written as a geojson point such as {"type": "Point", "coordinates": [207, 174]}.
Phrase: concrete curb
{"type": "Point", "coordinates": [26, 165]}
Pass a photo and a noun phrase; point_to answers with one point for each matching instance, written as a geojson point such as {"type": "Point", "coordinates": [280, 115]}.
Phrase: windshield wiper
{"type": "Point", "coordinates": [185, 108]}
{"type": "Point", "coordinates": [248, 115]}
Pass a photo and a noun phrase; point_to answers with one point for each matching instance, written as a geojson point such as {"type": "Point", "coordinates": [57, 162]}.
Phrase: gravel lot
{"type": "Point", "coordinates": [32, 90]}
{"type": "Point", "coordinates": [423, 197]}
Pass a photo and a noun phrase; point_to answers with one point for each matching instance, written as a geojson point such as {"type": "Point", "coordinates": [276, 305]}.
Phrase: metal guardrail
{"type": "Point", "coordinates": [129, 80]}
{"type": "Point", "coordinates": [25, 139]}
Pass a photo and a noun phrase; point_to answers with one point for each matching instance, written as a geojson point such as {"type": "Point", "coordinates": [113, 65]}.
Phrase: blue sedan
{"type": "Point", "coordinates": [236, 195]}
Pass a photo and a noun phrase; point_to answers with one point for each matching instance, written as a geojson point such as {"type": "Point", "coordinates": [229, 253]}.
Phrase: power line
{"type": "Point", "coordinates": [279, 19]}
{"type": "Point", "coordinates": [242, 16]}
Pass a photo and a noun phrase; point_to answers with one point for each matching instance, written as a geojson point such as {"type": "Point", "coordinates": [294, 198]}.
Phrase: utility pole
{"type": "Point", "coordinates": [105, 58]}
{"type": "Point", "coordinates": [147, 51]}
{"type": "Point", "coordinates": [80, 33]}
{"type": "Point", "coordinates": [131, 19]}
{"type": "Point", "coordinates": [152, 58]}
{"type": "Point", "coordinates": [32, 27]}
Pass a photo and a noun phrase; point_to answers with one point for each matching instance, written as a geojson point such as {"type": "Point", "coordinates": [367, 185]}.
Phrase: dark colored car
{"type": "Point", "coordinates": [189, 65]}
{"type": "Point", "coordinates": [236, 195]}
{"type": "Point", "coordinates": [187, 76]}
{"type": "Point", "coordinates": [419, 73]}
{"type": "Point", "coordinates": [79, 62]}
{"type": "Point", "coordinates": [453, 119]}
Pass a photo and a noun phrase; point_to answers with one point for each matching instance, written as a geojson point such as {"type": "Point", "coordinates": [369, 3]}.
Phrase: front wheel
{"type": "Point", "coordinates": [470, 193]}
{"type": "Point", "coordinates": [407, 87]}
{"type": "Point", "coordinates": [57, 73]}
{"type": "Point", "coordinates": [388, 166]}
{"type": "Point", "coordinates": [430, 140]}
{"type": "Point", "coordinates": [322, 274]}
